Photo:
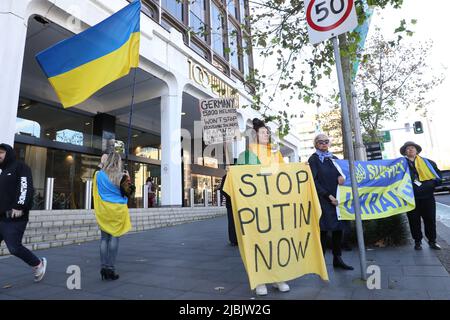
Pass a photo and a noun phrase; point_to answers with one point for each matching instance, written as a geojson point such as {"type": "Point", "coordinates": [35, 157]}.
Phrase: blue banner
{"type": "Point", "coordinates": [384, 187]}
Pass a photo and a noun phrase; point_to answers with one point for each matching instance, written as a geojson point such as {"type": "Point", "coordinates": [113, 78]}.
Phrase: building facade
{"type": "Point", "coordinates": [190, 50]}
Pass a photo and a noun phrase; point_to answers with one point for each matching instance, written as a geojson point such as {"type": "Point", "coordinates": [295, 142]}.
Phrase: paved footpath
{"type": "Point", "coordinates": [193, 261]}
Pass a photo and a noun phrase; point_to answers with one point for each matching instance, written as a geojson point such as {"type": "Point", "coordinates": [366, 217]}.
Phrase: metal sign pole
{"type": "Point", "coordinates": [349, 142]}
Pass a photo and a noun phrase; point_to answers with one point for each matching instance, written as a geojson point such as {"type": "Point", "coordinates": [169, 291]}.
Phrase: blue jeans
{"type": "Point", "coordinates": [109, 246]}
{"type": "Point", "coordinates": [12, 232]}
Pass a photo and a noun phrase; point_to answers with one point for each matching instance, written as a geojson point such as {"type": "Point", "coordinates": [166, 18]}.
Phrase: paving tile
{"type": "Point", "coordinates": [139, 292]}
{"type": "Point", "coordinates": [434, 271]}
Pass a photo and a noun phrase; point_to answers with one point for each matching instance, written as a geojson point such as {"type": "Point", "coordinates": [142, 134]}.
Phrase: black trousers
{"type": "Point", "coordinates": [231, 227]}
{"type": "Point", "coordinates": [425, 209]}
{"type": "Point", "coordinates": [12, 232]}
{"type": "Point", "coordinates": [336, 240]}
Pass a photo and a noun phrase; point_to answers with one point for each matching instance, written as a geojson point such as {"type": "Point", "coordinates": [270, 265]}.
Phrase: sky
{"type": "Point", "coordinates": [431, 16]}
{"type": "Point", "coordinates": [430, 25]}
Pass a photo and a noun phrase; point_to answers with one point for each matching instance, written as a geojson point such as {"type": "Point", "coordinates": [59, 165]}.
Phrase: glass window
{"type": "Point", "coordinates": [232, 9]}
{"type": "Point", "coordinates": [143, 144]}
{"type": "Point", "coordinates": [149, 9]}
{"type": "Point", "coordinates": [197, 18]}
{"type": "Point", "coordinates": [246, 58]}
{"type": "Point", "coordinates": [242, 8]}
{"type": "Point", "coordinates": [217, 27]}
{"type": "Point", "coordinates": [54, 123]}
{"type": "Point", "coordinates": [70, 136]}
{"type": "Point", "coordinates": [148, 152]}
{"type": "Point", "coordinates": [174, 7]}
{"type": "Point", "coordinates": [233, 40]}
{"type": "Point", "coordinates": [199, 50]}
{"type": "Point", "coordinates": [71, 171]}
{"type": "Point", "coordinates": [28, 128]}
{"type": "Point", "coordinates": [200, 183]}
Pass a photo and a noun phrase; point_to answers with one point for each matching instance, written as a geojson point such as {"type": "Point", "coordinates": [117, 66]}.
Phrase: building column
{"type": "Point", "coordinates": [13, 31]}
{"type": "Point", "coordinates": [171, 184]}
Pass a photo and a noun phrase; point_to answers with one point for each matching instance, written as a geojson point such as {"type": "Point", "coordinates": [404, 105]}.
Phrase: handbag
{"type": "Point", "coordinates": [127, 188]}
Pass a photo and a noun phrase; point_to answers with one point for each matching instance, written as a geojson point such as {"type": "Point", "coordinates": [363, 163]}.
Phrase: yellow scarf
{"type": "Point", "coordinates": [265, 155]}
{"type": "Point", "coordinates": [425, 169]}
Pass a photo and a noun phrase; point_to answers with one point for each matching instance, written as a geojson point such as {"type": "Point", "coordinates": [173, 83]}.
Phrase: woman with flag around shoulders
{"type": "Point", "coordinates": [111, 211]}
{"type": "Point", "coordinates": [326, 180]}
{"type": "Point", "coordinates": [425, 176]}
{"type": "Point", "coordinates": [261, 153]}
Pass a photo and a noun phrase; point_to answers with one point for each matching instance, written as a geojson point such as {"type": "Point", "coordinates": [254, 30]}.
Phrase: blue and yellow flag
{"type": "Point", "coordinates": [83, 64]}
{"type": "Point", "coordinates": [425, 169]}
{"type": "Point", "coordinates": [111, 209]}
{"type": "Point", "coordinates": [384, 187]}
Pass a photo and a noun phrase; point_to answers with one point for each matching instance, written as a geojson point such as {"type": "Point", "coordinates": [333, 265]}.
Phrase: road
{"type": "Point", "coordinates": [444, 198]}
{"type": "Point", "coordinates": [443, 208]}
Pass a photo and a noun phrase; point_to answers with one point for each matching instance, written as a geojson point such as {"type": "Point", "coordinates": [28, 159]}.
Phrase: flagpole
{"type": "Point", "coordinates": [127, 149]}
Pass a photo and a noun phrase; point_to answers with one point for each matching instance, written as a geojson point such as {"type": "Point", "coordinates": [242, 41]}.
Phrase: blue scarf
{"type": "Point", "coordinates": [322, 155]}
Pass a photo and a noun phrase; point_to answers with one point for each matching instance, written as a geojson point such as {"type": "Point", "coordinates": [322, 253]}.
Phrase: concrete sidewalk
{"type": "Point", "coordinates": [193, 261]}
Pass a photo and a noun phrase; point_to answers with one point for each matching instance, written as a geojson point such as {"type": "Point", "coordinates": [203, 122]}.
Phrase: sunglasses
{"type": "Point", "coordinates": [323, 142]}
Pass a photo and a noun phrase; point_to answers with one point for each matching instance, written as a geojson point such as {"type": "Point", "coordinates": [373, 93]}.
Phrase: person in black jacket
{"type": "Point", "coordinates": [16, 199]}
{"type": "Point", "coordinates": [231, 227]}
{"type": "Point", "coordinates": [423, 194]}
{"type": "Point", "coordinates": [326, 179]}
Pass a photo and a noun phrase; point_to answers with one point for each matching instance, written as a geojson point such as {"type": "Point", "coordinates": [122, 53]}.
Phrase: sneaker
{"type": "Point", "coordinates": [261, 290]}
{"type": "Point", "coordinates": [282, 286]}
{"type": "Point", "coordinates": [39, 271]}
{"type": "Point", "coordinates": [418, 245]}
{"type": "Point", "coordinates": [435, 246]}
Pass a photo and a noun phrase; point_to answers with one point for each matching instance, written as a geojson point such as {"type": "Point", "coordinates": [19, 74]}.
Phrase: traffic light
{"type": "Point", "coordinates": [418, 128]}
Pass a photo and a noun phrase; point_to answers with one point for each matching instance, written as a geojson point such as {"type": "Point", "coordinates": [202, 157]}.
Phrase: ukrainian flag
{"type": "Point", "coordinates": [79, 66]}
{"type": "Point", "coordinates": [111, 210]}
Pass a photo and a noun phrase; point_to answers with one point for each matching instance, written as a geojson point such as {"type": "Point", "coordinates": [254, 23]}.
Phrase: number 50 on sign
{"type": "Point", "coordinates": [329, 18]}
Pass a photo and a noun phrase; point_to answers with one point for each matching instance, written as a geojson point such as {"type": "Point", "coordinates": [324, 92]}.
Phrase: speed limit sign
{"type": "Point", "coordinates": [329, 18]}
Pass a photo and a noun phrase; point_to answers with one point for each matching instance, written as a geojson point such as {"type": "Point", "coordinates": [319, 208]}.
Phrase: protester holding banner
{"type": "Point", "coordinates": [327, 178]}
{"type": "Point", "coordinates": [425, 175]}
{"type": "Point", "coordinates": [261, 153]}
{"type": "Point", "coordinates": [231, 227]}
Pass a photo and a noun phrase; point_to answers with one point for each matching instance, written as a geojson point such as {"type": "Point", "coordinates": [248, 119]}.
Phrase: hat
{"type": "Point", "coordinates": [408, 144]}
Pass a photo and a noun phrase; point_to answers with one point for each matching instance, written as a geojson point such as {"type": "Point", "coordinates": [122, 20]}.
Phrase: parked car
{"type": "Point", "coordinates": [445, 185]}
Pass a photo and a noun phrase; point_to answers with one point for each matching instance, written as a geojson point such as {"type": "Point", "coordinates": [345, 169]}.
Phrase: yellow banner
{"type": "Point", "coordinates": [276, 212]}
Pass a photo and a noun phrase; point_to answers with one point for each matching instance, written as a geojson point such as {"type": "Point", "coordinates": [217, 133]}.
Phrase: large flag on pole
{"type": "Point", "coordinates": [83, 64]}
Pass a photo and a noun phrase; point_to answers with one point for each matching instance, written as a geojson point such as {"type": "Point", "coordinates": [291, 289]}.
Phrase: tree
{"type": "Point", "coordinates": [279, 29]}
{"type": "Point", "coordinates": [392, 77]}
{"type": "Point", "coordinates": [331, 124]}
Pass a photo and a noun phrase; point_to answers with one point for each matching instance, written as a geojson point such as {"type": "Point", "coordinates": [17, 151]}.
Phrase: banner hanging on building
{"type": "Point", "coordinates": [385, 189]}
{"type": "Point", "coordinates": [276, 212]}
{"type": "Point", "coordinates": [219, 118]}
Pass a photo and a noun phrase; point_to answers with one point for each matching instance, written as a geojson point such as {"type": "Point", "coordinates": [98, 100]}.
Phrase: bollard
{"type": "Point", "coordinates": [49, 193]}
{"type": "Point", "coordinates": [191, 195]}
{"type": "Point", "coordinates": [88, 195]}
{"type": "Point", "coordinates": [219, 198]}
{"type": "Point", "coordinates": [205, 197]}
{"type": "Point", "coordinates": [145, 196]}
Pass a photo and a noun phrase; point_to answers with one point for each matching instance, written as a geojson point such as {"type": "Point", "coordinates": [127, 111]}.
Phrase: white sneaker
{"type": "Point", "coordinates": [282, 286]}
{"type": "Point", "coordinates": [39, 271]}
{"type": "Point", "coordinates": [261, 290]}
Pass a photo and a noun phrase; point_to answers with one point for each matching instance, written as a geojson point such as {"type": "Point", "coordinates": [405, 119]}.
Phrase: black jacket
{"type": "Point", "coordinates": [16, 185]}
{"type": "Point", "coordinates": [426, 189]}
{"type": "Point", "coordinates": [325, 177]}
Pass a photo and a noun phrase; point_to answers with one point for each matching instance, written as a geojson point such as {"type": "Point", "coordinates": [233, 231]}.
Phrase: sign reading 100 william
{"type": "Point", "coordinates": [219, 118]}
{"type": "Point", "coordinates": [329, 18]}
